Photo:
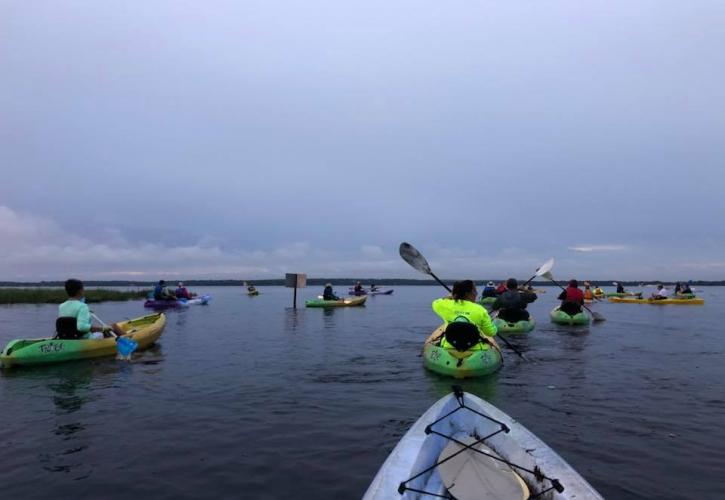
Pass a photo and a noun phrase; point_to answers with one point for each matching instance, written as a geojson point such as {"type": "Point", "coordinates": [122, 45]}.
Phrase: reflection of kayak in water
{"type": "Point", "coordinates": [169, 304]}
{"type": "Point", "coordinates": [506, 461]}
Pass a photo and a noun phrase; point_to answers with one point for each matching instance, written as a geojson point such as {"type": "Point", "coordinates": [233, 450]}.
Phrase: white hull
{"type": "Point", "coordinates": [417, 451]}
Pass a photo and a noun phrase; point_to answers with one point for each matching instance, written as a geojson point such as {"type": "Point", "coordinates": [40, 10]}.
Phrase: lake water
{"type": "Point", "coordinates": [247, 398]}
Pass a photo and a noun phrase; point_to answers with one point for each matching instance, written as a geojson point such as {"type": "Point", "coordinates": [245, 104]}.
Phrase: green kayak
{"type": "Point", "coordinates": [523, 326]}
{"type": "Point", "coordinates": [145, 330]}
{"type": "Point", "coordinates": [625, 294]}
{"type": "Point", "coordinates": [351, 302]}
{"type": "Point", "coordinates": [485, 301]}
{"type": "Point", "coordinates": [561, 318]}
{"type": "Point", "coordinates": [472, 363]}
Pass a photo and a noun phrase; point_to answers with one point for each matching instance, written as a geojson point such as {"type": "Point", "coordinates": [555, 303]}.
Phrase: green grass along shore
{"type": "Point", "coordinates": [58, 295]}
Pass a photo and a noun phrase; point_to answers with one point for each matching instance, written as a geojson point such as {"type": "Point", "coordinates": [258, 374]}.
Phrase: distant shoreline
{"type": "Point", "coordinates": [322, 281]}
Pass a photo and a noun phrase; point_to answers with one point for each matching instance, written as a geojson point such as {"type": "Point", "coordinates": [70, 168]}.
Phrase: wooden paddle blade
{"type": "Point", "coordinates": [414, 258]}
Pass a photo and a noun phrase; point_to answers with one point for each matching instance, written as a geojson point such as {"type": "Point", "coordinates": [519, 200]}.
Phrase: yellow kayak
{"type": "Point", "coordinates": [145, 330]}
{"type": "Point", "coordinates": [697, 301]}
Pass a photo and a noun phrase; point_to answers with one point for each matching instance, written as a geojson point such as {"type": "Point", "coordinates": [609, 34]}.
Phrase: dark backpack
{"type": "Point", "coordinates": [462, 335]}
{"type": "Point", "coordinates": [66, 328]}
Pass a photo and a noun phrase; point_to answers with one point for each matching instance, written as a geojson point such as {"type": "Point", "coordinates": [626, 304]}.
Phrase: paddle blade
{"type": "Point", "coordinates": [413, 257]}
{"type": "Point", "coordinates": [597, 317]}
{"type": "Point", "coordinates": [126, 346]}
{"type": "Point", "coordinates": [545, 268]}
{"type": "Point", "coordinates": [547, 275]}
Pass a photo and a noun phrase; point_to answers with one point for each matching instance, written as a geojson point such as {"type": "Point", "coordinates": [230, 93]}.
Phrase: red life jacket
{"type": "Point", "coordinates": [574, 295]}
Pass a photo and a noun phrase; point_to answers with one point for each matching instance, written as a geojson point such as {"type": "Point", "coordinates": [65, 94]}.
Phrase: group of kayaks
{"type": "Point", "coordinates": [481, 360]}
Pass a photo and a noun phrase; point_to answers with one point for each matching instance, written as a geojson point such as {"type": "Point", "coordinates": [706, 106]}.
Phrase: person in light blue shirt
{"type": "Point", "coordinates": [75, 307]}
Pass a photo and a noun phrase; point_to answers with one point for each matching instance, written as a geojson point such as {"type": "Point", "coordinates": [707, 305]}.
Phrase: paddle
{"type": "Point", "coordinates": [595, 316]}
{"type": "Point", "coordinates": [124, 346]}
{"type": "Point", "coordinates": [542, 270]}
{"type": "Point", "coordinates": [414, 258]}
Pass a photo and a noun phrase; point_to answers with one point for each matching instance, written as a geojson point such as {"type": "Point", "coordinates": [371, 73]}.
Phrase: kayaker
{"type": "Point", "coordinates": [358, 287]}
{"type": "Point", "coordinates": [598, 292]}
{"type": "Point", "coordinates": [461, 306]}
{"type": "Point", "coordinates": [686, 289]}
{"type": "Point", "coordinates": [328, 294]}
{"type": "Point", "coordinates": [501, 288]}
{"type": "Point", "coordinates": [373, 287]}
{"type": "Point", "coordinates": [572, 299]}
{"type": "Point", "coordinates": [489, 290]}
{"type": "Point", "coordinates": [162, 292]}
{"type": "Point", "coordinates": [660, 293]}
{"type": "Point", "coordinates": [511, 305]}
{"type": "Point", "coordinates": [678, 288]}
{"type": "Point", "coordinates": [620, 288]}
{"type": "Point", "coordinates": [75, 308]}
{"type": "Point", "coordinates": [588, 295]}
{"type": "Point", "coordinates": [182, 292]}
{"type": "Point", "coordinates": [251, 288]}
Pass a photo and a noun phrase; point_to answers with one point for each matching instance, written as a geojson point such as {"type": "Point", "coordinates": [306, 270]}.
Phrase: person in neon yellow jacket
{"type": "Point", "coordinates": [461, 306]}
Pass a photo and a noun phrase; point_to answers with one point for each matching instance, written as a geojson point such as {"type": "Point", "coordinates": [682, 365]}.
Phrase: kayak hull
{"type": "Point", "coordinates": [452, 363]}
{"type": "Point", "coordinates": [253, 294]}
{"type": "Point", "coordinates": [418, 450]}
{"type": "Point", "coordinates": [523, 326]}
{"type": "Point", "coordinates": [559, 317]}
{"type": "Point", "coordinates": [698, 301]}
{"type": "Point", "coordinates": [386, 292]}
{"type": "Point", "coordinates": [145, 330]}
{"type": "Point", "coordinates": [172, 304]}
{"type": "Point", "coordinates": [357, 301]}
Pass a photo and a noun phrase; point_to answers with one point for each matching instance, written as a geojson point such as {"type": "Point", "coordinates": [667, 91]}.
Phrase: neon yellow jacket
{"type": "Point", "coordinates": [449, 310]}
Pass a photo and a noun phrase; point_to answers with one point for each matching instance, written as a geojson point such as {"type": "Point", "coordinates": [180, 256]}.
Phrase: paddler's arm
{"type": "Point", "coordinates": [485, 325]}
{"type": "Point", "coordinates": [442, 308]}
{"type": "Point", "coordinates": [83, 321]}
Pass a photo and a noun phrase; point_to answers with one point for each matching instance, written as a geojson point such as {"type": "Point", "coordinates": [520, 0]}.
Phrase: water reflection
{"type": "Point", "coordinates": [328, 314]}
{"type": "Point", "coordinates": [294, 318]}
{"type": "Point", "coordinates": [70, 389]}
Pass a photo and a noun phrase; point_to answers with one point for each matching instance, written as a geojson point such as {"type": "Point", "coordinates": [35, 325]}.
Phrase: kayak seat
{"type": "Point", "coordinates": [66, 328]}
{"type": "Point", "coordinates": [462, 336]}
{"type": "Point", "coordinates": [570, 308]}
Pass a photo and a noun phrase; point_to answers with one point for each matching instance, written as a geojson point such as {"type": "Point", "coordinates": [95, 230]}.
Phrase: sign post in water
{"type": "Point", "coordinates": [294, 280]}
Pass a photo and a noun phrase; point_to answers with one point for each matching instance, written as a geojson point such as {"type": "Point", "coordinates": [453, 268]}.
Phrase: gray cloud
{"type": "Point", "coordinates": [266, 133]}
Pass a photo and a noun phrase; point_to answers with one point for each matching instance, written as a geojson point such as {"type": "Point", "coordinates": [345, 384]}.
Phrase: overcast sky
{"type": "Point", "coordinates": [247, 139]}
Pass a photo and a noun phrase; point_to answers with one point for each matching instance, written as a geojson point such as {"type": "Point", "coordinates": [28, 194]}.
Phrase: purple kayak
{"type": "Point", "coordinates": [169, 304]}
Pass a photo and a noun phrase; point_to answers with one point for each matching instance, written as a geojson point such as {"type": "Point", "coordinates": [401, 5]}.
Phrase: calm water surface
{"type": "Point", "coordinates": [248, 398]}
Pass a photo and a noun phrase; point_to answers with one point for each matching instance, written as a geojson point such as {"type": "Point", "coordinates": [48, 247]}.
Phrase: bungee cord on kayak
{"type": "Point", "coordinates": [554, 484]}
